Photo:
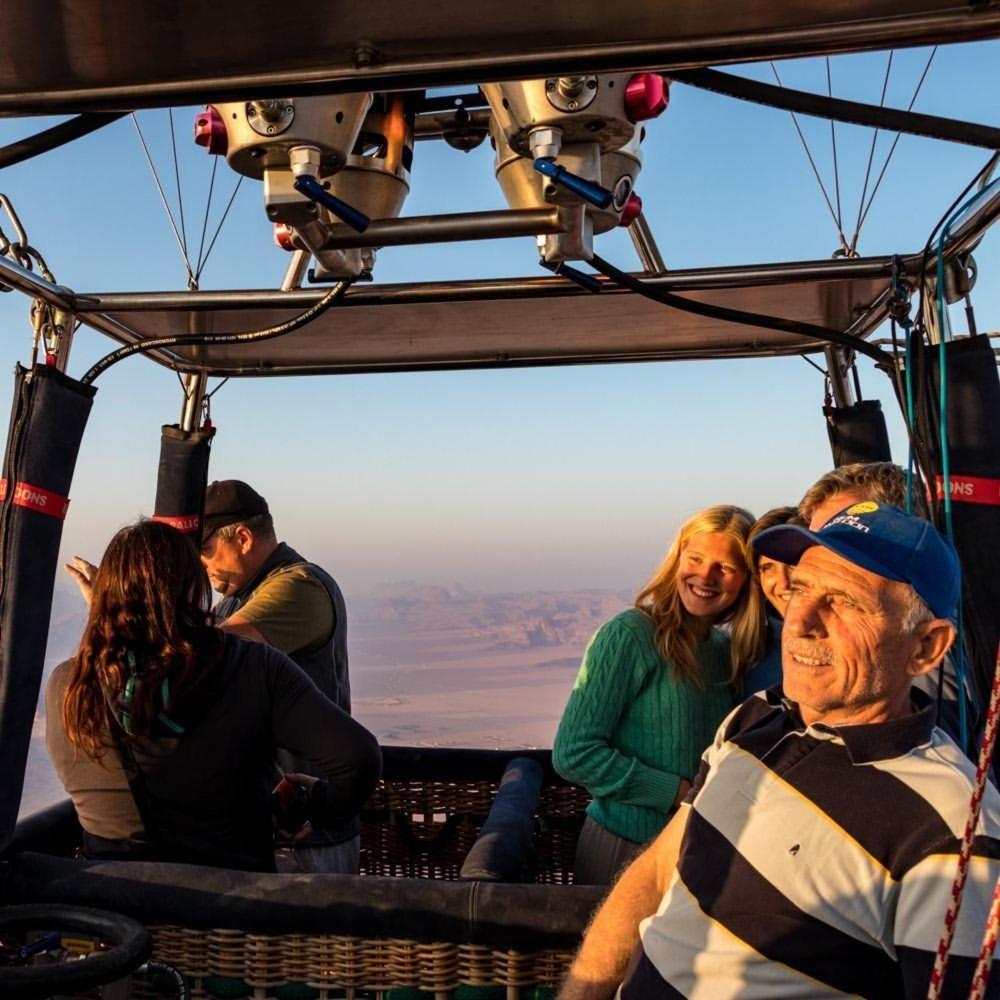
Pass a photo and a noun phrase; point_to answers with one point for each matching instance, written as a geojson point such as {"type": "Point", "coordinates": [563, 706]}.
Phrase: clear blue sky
{"type": "Point", "coordinates": [556, 478]}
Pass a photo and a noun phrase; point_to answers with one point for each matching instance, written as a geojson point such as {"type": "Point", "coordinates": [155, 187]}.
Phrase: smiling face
{"type": "Point", "coordinates": [847, 657]}
{"type": "Point", "coordinates": [775, 582]}
{"type": "Point", "coordinates": [711, 574]}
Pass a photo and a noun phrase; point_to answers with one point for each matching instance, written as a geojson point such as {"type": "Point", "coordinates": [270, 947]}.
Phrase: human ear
{"type": "Point", "coordinates": [933, 639]}
{"type": "Point", "coordinates": [244, 539]}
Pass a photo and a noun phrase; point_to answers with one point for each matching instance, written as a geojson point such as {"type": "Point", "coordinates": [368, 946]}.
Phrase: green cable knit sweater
{"type": "Point", "coordinates": [629, 733]}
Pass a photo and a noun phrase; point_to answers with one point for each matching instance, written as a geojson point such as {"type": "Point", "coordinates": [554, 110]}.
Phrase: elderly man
{"type": "Point", "coordinates": [271, 594]}
{"type": "Point", "coordinates": [816, 853]}
{"type": "Point", "coordinates": [885, 483]}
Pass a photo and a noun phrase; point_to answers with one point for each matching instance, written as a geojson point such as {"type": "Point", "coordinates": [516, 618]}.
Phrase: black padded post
{"type": "Point", "coordinates": [502, 852]}
{"type": "Point", "coordinates": [48, 418]}
{"type": "Point", "coordinates": [973, 421]}
{"type": "Point", "coordinates": [182, 478]}
{"type": "Point", "coordinates": [857, 433]}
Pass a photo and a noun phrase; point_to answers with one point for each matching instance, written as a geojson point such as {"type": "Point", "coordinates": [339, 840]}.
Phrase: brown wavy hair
{"type": "Point", "coordinates": [150, 597]}
{"type": "Point", "coordinates": [676, 636]}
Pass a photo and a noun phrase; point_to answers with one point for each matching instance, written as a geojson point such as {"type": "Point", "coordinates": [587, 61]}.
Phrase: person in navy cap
{"type": "Point", "coordinates": [816, 852]}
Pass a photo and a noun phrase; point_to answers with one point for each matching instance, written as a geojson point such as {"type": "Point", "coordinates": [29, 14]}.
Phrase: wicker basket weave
{"type": "Point", "coordinates": [417, 824]}
{"type": "Point", "coordinates": [227, 963]}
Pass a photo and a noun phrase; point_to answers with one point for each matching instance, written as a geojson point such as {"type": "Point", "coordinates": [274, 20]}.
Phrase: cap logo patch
{"type": "Point", "coordinates": [849, 521]}
{"type": "Point", "coordinates": [868, 507]}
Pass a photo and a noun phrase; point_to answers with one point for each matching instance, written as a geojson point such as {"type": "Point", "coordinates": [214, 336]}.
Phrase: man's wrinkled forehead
{"type": "Point", "coordinates": [823, 570]}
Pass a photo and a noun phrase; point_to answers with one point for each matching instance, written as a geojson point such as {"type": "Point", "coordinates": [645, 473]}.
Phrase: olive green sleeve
{"type": "Point", "coordinates": [292, 610]}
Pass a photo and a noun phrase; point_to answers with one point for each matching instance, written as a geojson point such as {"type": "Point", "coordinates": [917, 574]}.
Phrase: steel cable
{"type": "Point", "coordinates": [813, 332]}
{"type": "Point", "coordinates": [249, 337]}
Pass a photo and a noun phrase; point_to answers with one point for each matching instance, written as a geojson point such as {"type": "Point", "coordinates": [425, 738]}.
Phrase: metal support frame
{"type": "Point", "coordinates": [455, 228]}
{"type": "Point", "coordinates": [435, 124]}
{"type": "Point", "coordinates": [296, 270]}
{"type": "Point", "coordinates": [195, 384]}
{"type": "Point", "coordinates": [645, 246]}
{"type": "Point", "coordinates": [838, 369]}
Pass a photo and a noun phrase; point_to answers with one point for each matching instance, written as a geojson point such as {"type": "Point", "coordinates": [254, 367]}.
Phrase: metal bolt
{"type": "Point", "coordinates": [573, 105]}
{"type": "Point", "coordinates": [364, 55]}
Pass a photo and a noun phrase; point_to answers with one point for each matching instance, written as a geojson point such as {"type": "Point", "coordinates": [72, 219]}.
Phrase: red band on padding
{"type": "Point", "coordinates": [37, 499]}
{"type": "Point", "coordinates": [971, 489]}
{"type": "Point", "coordinates": [189, 523]}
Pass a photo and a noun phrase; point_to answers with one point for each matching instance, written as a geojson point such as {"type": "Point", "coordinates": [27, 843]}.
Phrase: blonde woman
{"type": "Point", "coordinates": [654, 685]}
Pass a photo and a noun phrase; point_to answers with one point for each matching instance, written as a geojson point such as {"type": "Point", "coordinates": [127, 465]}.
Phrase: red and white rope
{"type": "Point", "coordinates": [981, 977]}
{"type": "Point", "coordinates": [965, 853]}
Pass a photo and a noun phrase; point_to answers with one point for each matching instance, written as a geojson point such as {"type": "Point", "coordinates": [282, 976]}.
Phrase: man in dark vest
{"type": "Point", "coordinates": [271, 594]}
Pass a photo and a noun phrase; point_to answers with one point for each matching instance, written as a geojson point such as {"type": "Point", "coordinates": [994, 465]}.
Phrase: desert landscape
{"type": "Point", "coordinates": [430, 666]}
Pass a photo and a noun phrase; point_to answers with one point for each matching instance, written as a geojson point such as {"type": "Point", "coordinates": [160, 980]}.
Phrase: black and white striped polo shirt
{"type": "Point", "coordinates": [818, 862]}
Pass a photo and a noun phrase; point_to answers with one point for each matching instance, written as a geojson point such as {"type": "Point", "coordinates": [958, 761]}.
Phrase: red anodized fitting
{"type": "Point", "coordinates": [283, 236]}
{"type": "Point", "coordinates": [210, 132]}
{"type": "Point", "coordinates": [631, 211]}
{"type": "Point", "coordinates": [646, 95]}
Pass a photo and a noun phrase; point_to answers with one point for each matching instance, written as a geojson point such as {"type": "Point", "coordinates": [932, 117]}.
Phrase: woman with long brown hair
{"type": "Point", "coordinates": [654, 685]}
{"type": "Point", "coordinates": [164, 730]}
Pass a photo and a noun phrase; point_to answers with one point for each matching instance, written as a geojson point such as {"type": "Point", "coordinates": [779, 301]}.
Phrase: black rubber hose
{"type": "Point", "coordinates": [821, 333]}
{"type": "Point", "coordinates": [250, 337]}
{"type": "Point", "coordinates": [53, 138]}
{"type": "Point", "coordinates": [153, 968]}
{"type": "Point", "coordinates": [836, 109]}
{"type": "Point", "coordinates": [129, 941]}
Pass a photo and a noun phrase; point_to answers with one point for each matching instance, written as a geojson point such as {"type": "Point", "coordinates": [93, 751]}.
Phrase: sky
{"type": "Point", "coordinates": [560, 478]}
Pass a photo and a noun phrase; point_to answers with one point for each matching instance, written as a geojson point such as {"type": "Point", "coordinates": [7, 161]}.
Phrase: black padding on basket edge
{"type": "Point", "coordinates": [448, 764]}
{"type": "Point", "coordinates": [493, 914]}
{"type": "Point", "coordinates": [857, 433]}
{"type": "Point", "coordinates": [502, 851]}
{"type": "Point", "coordinates": [48, 417]}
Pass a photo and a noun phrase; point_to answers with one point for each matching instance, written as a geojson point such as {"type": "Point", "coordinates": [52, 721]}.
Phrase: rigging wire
{"type": "Point", "coordinates": [163, 197]}
{"type": "Point", "coordinates": [209, 395]}
{"type": "Point", "coordinates": [871, 153]}
{"type": "Point", "coordinates": [812, 163]}
{"type": "Point", "coordinates": [895, 141]}
{"type": "Point", "coordinates": [208, 207]}
{"type": "Point", "coordinates": [818, 368]}
{"type": "Point", "coordinates": [218, 229]}
{"type": "Point", "coordinates": [177, 180]}
{"type": "Point", "coordinates": [332, 297]}
{"type": "Point", "coordinates": [833, 143]}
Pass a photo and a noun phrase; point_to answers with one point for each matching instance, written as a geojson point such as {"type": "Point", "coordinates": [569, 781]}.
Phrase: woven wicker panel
{"type": "Point", "coordinates": [266, 963]}
{"type": "Point", "coordinates": [424, 829]}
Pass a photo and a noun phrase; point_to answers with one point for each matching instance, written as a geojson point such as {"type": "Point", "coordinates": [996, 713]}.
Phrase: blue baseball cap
{"type": "Point", "coordinates": [883, 540]}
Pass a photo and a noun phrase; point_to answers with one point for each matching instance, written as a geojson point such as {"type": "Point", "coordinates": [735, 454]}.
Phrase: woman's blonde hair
{"type": "Point", "coordinates": [676, 636]}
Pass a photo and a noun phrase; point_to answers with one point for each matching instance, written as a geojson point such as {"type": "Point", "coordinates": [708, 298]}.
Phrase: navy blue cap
{"type": "Point", "coordinates": [883, 540]}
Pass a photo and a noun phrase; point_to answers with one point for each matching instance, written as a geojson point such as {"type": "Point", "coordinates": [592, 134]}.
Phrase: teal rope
{"type": "Point", "coordinates": [906, 324]}
{"type": "Point", "coordinates": [944, 334]}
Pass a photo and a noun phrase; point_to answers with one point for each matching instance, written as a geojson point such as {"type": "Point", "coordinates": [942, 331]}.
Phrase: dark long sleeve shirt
{"type": "Point", "coordinates": [208, 791]}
